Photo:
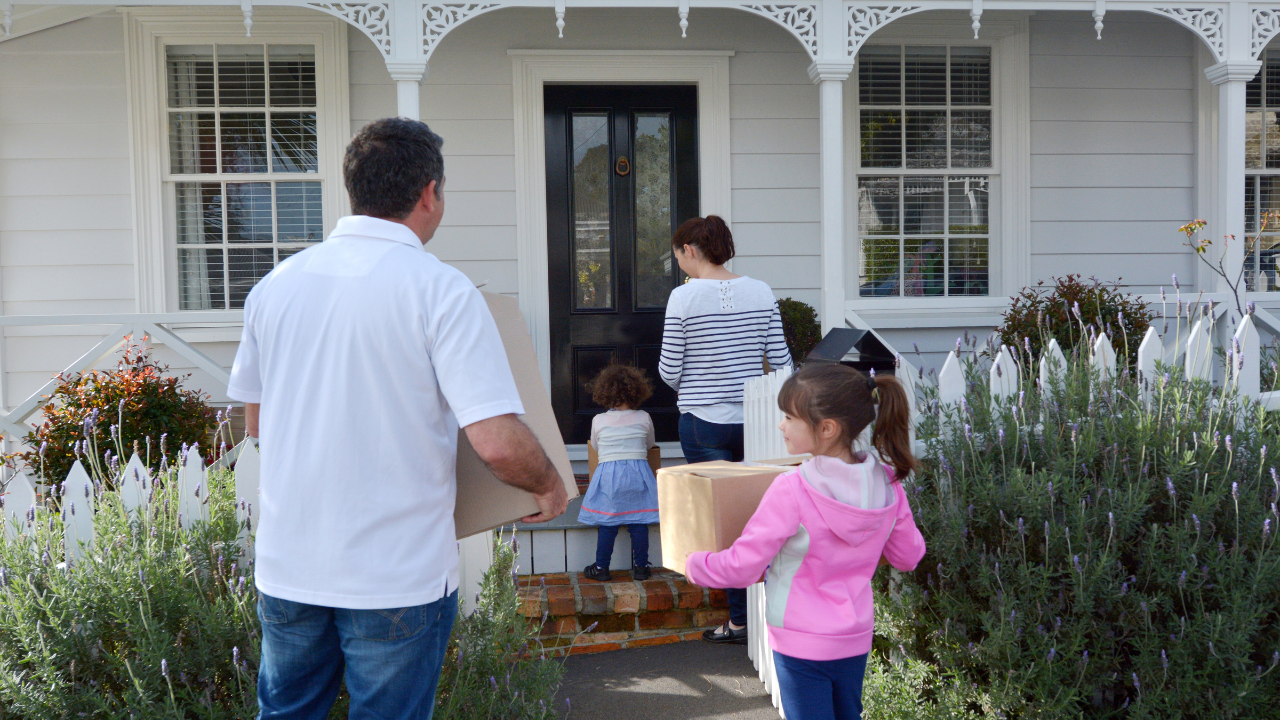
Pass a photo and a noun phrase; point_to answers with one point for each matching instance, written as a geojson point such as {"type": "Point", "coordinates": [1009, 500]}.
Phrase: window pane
{"type": "Point", "coordinates": [970, 76]}
{"type": "Point", "coordinates": [652, 170]}
{"type": "Point", "coordinates": [286, 253]}
{"type": "Point", "coordinates": [199, 213]}
{"type": "Point", "coordinates": [244, 142]}
{"type": "Point", "coordinates": [249, 212]}
{"type": "Point", "coordinates": [878, 205]}
{"type": "Point", "coordinates": [881, 132]}
{"type": "Point", "coordinates": [922, 206]}
{"type": "Point", "coordinates": [1253, 139]}
{"type": "Point", "coordinates": [1253, 92]}
{"type": "Point", "coordinates": [968, 266]}
{"type": "Point", "coordinates": [200, 281]}
{"type": "Point", "coordinates": [1251, 203]}
{"type": "Point", "coordinates": [926, 71]}
{"type": "Point", "coordinates": [1271, 133]}
{"type": "Point", "coordinates": [190, 72]}
{"type": "Point", "coordinates": [967, 205]}
{"type": "Point", "coordinates": [293, 143]}
{"type": "Point", "coordinates": [242, 78]}
{"type": "Point", "coordinates": [926, 138]}
{"type": "Point", "coordinates": [879, 267]}
{"type": "Point", "coordinates": [1273, 79]}
{"type": "Point", "coordinates": [1268, 251]}
{"type": "Point", "coordinates": [299, 215]}
{"type": "Point", "coordinates": [880, 75]}
{"type": "Point", "coordinates": [293, 75]}
{"type": "Point", "coordinates": [245, 267]}
{"type": "Point", "coordinates": [970, 138]}
{"type": "Point", "coordinates": [193, 143]}
{"type": "Point", "coordinates": [592, 239]}
{"type": "Point", "coordinates": [922, 266]}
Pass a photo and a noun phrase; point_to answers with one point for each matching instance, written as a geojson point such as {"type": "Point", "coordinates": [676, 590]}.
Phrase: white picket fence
{"type": "Point", "coordinates": [80, 494]}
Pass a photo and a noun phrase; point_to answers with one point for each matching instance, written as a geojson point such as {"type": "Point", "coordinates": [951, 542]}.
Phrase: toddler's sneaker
{"type": "Point", "coordinates": [642, 572]}
{"type": "Point", "coordinates": [595, 572]}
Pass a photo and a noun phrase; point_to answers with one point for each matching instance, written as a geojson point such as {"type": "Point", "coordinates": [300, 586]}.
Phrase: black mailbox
{"type": "Point", "coordinates": [859, 349]}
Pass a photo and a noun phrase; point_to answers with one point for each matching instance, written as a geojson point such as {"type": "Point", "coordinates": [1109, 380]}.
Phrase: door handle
{"type": "Point", "coordinates": [623, 166]}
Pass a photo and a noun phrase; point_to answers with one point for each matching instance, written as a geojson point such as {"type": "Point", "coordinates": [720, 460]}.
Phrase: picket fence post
{"type": "Point", "coordinates": [135, 483]}
{"type": "Point", "coordinates": [19, 499]}
{"type": "Point", "coordinates": [1005, 377]}
{"type": "Point", "coordinates": [1150, 350]}
{"type": "Point", "coordinates": [1103, 357]}
{"type": "Point", "coordinates": [248, 472]}
{"type": "Point", "coordinates": [1199, 358]}
{"type": "Point", "coordinates": [191, 488]}
{"type": "Point", "coordinates": [1244, 357]}
{"type": "Point", "coordinates": [951, 380]}
{"type": "Point", "coordinates": [77, 512]}
{"type": "Point", "coordinates": [1053, 365]}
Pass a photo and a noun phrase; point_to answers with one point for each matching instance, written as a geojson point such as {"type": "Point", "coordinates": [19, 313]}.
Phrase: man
{"type": "Point", "coordinates": [360, 359]}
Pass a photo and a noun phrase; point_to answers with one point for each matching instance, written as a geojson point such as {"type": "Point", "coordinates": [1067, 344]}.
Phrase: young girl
{"type": "Point", "coordinates": [623, 490]}
{"type": "Point", "coordinates": [821, 530]}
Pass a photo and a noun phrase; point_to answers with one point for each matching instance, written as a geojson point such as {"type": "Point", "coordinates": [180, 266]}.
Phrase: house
{"type": "Point", "coordinates": [906, 167]}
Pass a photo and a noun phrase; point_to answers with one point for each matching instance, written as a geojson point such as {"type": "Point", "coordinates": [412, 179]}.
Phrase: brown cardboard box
{"type": "Point", "coordinates": [705, 506]}
{"type": "Point", "coordinates": [484, 502]}
{"type": "Point", "coordinates": [593, 459]}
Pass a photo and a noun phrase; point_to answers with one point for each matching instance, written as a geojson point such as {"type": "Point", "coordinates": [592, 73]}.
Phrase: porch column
{"type": "Point", "coordinates": [830, 77]}
{"type": "Point", "coordinates": [408, 75]}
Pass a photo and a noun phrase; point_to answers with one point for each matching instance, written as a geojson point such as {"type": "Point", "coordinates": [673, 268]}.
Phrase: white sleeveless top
{"type": "Point", "coordinates": [622, 435]}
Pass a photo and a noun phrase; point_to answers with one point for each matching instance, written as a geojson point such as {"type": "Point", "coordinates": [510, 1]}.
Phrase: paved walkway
{"type": "Point", "coordinates": [681, 681]}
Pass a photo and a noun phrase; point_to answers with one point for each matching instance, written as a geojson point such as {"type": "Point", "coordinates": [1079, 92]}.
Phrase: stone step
{"type": "Point", "coordinates": [577, 615]}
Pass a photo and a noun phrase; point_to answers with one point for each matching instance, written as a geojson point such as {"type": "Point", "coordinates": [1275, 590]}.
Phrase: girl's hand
{"type": "Point", "coordinates": [883, 561]}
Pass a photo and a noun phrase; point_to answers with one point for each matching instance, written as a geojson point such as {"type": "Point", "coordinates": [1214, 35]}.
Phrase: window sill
{"type": "Point", "coordinates": [930, 312]}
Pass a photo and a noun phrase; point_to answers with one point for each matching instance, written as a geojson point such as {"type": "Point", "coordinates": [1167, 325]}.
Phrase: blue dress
{"type": "Point", "coordinates": [623, 490]}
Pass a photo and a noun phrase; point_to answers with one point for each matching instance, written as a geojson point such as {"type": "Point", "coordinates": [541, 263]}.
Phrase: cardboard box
{"type": "Point", "coordinates": [705, 506]}
{"type": "Point", "coordinates": [593, 459]}
{"type": "Point", "coordinates": [484, 502]}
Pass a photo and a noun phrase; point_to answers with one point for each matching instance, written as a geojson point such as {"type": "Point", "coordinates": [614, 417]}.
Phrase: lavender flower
{"type": "Point", "coordinates": [164, 668]}
{"type": "Point", "coordinates": [1137, 684]}
{"type": "Point", "coordinates": [1164, 660]}
{"type": "Point", "coordinates": [1052, 653]}
{"type": "Point", "coordinates": [1168, 484]}
{"type": "Point", "coordinates": [1021, 531]}
{"type": "Point", "coordinates": [968, 432]}
{"type": "Point", "coordinates": [1111, 520]}
{"type": "Point", "coordinates": [1075, 560]}
{"type": "Point", "coordinates": [235, 655]}
{"type": "Point", "coordinates": [1229, 443]}
{"type": "Point", "coordinates": [1084, 657]}
{"type": "Point", "coordinates": [1182, 580]}
{"type": "Point", "coordinates": [1266, 527]}
{"type": "Point", "coordinates": [1235, 491]}
{"type": "Point", "coordinates": [1196, 520]}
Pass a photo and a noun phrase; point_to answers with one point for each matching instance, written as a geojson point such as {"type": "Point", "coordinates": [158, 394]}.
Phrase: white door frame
{"type": "Point", "coordinates": [531, 70]}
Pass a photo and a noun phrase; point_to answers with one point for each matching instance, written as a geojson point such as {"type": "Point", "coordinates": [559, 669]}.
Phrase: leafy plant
{"type": "Point", "coordinates": [800, 327]}
{"type": "Point", "coordinates": [495, 667]}
{"type": "Point", "coordinates": [144, 402]}
{"type": "Point", "coordinates": [1218, 267]}
{"type": "Point", "coordinates": [1094, 552]}
{"type": "Point", "coordinates": [1066, 310]}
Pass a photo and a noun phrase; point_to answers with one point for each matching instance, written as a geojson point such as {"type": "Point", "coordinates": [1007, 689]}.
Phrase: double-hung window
{"type": "Point", "coordinates": [243, 180]}
{"type": "Point", "coordinates": [925, 169]}
{"type": "Point", "coordinates": [1262, 174]}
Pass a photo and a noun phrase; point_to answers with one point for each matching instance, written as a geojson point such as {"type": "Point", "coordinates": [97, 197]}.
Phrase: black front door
{"type": "Point", "coordinates": [622, 174]}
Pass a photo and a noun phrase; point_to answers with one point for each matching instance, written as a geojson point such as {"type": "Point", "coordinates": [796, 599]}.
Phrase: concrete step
{"type": "Point", "coordinates": [577, 615]}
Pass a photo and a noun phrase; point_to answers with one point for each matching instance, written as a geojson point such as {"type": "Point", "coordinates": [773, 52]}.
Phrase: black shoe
{"type": "Point", "coordinates": [726, 634]}
{"type": "Point", "coordinates": [595, 572]}
{"type": "Point", "coordinates": [642, 572]}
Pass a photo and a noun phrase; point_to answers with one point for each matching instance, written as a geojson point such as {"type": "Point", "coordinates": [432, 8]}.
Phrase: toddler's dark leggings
{"type": "Point", "coordinates": [820, 689]}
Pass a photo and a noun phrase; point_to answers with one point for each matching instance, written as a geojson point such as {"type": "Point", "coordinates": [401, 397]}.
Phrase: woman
{"type": "Point", "coordinates": [718, 328]}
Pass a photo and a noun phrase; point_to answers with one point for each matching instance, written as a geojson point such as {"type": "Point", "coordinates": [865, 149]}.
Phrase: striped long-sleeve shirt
{"type": "Point", "coordinates": [715, 335]}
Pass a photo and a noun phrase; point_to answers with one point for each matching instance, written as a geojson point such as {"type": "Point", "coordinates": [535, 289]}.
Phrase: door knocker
{"type": "Point", "coordinates": [624, 166]}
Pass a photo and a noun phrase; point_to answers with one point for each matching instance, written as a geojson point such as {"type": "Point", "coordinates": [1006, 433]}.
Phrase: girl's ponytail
{"type": "Point", "coordinates": [891, 434]}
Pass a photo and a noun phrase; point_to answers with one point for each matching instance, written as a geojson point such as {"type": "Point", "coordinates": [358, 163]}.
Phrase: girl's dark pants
{"type": "Point", "coordinates": [820, 689]}
{"type": "Point", "coordinates": [639, 544]}
{"type": "Point", "coordinates": [704, 441]}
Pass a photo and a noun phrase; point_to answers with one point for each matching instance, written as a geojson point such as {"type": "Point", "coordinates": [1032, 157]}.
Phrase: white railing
{"type": "Point", "coordinates": [139, 327]}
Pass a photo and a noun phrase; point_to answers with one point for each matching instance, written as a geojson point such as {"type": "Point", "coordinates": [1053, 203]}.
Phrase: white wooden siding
{"type": "Point", "coordinates": [1112, 148]}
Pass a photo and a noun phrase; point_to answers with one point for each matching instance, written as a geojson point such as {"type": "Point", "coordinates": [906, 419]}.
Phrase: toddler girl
{"type": "Point", "coordinates": [623, 490]}
{"type": "Point", "coordinates": [820, 532]}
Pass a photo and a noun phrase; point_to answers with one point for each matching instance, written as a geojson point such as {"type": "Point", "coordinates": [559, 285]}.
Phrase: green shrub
{"type": "Point", "coordinates": [132, 407]}
{"type": "Point", "coordinates": [801, 328]}
{"type": "Point", "coordinates": [1091, 555]}
{"type": "Point", "coordinates": [1068, 309]}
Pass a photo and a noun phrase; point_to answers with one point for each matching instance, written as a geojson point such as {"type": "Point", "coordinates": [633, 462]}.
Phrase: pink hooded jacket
{"type": "Point", "coordinates": [820, 554]}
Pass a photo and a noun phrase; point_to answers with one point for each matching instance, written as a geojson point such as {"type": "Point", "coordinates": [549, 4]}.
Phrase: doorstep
{"type": "Point", "coordinates": [625, 613]}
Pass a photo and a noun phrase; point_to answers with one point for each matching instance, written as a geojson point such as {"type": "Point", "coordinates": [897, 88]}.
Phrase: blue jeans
{"type": "Point", "coordinates": [704, 441]}
{"type": "Point", "coordinates": [820, 689]}
{"type": "Point", "coordinates": [639, 545]}
{"type": "Point", "coordinates": [391, 659]}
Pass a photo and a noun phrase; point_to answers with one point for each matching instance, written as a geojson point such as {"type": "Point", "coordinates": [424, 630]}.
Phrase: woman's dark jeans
{"type": "Point", "coordinates": [704, 441]}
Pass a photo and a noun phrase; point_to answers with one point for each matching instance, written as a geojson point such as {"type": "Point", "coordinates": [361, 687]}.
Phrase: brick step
{"type": "Point", "coordinates": [621, 613]}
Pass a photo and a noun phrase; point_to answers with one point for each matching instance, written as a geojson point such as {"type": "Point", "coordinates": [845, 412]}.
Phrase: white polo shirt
{"type": "Point", "coordinates": [367, 354]}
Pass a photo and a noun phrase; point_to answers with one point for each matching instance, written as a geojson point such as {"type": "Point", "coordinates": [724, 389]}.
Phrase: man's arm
{"type": "Point", "coordinates": [515, 456]}
{"type": "Point", "coordinates": [251, 418]}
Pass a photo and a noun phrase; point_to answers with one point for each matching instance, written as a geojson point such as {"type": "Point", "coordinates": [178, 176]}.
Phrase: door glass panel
{"type": "Point", "coordinates": [654, 262]}
{"type": "Point", "coordinates": [592, 238]}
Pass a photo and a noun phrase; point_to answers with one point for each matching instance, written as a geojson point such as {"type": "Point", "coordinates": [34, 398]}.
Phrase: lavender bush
{"type": "Point", "coordinates": [1094, 554]}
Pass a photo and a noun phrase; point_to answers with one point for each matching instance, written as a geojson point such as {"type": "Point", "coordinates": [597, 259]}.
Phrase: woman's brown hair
{"type": "Point", "coordinates": [709, 234]}
{"type": "Point", "coordinates": [840, 393]}
{"type": "Point", "coordinates": [620, 385]}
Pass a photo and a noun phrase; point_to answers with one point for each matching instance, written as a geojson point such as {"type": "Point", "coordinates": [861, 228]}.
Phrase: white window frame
{"type": "Point", "coordinates": [148, 31]}
{"type": "Point", "coordinates": [1009, 249]}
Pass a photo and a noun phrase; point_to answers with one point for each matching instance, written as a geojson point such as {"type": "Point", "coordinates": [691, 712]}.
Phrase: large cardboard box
{"type": "Point", "coordinates": [705, 506]}
{"type": "Point", "coordinates": [484, 502]}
